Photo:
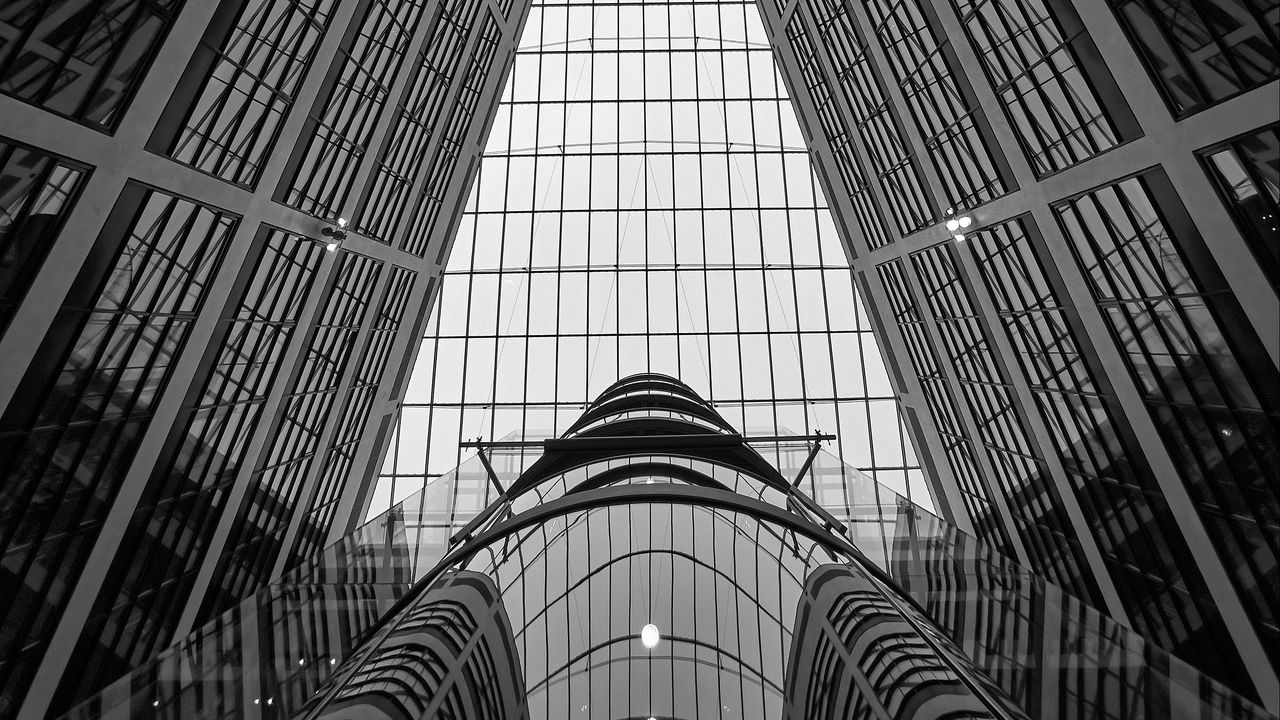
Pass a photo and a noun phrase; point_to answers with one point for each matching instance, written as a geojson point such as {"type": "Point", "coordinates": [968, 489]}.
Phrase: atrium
{"type": "Point", "coordinates": [665, 359]}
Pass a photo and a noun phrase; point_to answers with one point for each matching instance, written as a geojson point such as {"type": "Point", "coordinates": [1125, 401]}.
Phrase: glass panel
{"type": "Point", "coordinates": [1180, 333]}
{"type": "Point", "coordinates": [1200, 53]}
{"type": "Point", "coordinates": [83, 59]}
{"type": "Point", "coordinates": [68, 437]}
{"type": "Point", "coordinates": [644, 237]}
{"type": "Point", "coordinates": [253, 75]}
{"type": "Point", "coordinates": [37, 193]}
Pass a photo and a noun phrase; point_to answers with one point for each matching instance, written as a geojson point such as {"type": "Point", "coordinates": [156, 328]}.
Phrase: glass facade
{"type": "Point", "coordinates": [616, 579]}
{"type": "Point", "coordinates": [1206, 381]}
{"type": "Point", "coordinates": [672, 225]}
{"type": "Point", "coordinates": [955, 132]}
{"type": "Point", "coordinates": [1015, 456]}
{"type": "Point", "coordinates": [975, 489]}
{"type": "Point", "coordinates": [1139, 537]}
{"type": "Point", "coordinates": [67, 443]}
{"type": "Point", "coordinates": [1045, 69]}
{"type": "Point", "coordinates": [37, 192]}
{"type": "Point", "coordinates": [195, 397]}
{"type": "Point", "coordinates": [340, 129]}
{"type": "Point", "coordinates": [82, 59]}
{"type": "Point", "coordinates": [276, 484]}
{"type": "Point", "coordinates": [846, 66]}
{"type": "Point", "coordinates": [1201, 53]}
{"type": "Point", "coordinates": [241, 84]}
{"type": "Point", "coordinates": [1246, 171]}
{"type": "Point", "coordinates": [361, 395]}
{"type": "Point", "coordinates": [168, 533]}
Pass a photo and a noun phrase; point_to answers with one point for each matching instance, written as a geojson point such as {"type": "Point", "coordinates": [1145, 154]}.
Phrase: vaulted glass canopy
{"type": "Point", "coordinates": [646, 203]}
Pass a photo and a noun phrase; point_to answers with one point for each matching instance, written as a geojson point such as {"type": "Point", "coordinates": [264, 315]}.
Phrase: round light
{"type": "Point", "coordinates": [966, 221]}
{"type": "Point", "coordinates": [650, 636]}
{"type": "Point", "coordinates": [953, 225]}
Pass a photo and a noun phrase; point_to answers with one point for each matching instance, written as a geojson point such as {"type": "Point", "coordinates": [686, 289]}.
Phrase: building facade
{"type": "Point", "coordinates": [190, 360]}
{"type": "Point", "coordinates": [651, 562]}
{"type": "Point", "coordinates": [223, 226]}
{"type": "Point", "coordinates": [1056, 220]}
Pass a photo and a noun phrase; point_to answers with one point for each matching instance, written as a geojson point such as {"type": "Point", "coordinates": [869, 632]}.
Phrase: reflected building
{"type": "Point", "coordinates": [1019, 256]}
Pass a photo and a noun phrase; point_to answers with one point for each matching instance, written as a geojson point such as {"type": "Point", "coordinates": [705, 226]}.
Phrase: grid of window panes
{"type": "Point", "coordinates": [832, 123]}
{"type": "Point", "coordinates": [860, 84]}
{"type": "Point", "coordinates": [419, 112]}
{"type": "Point", "coordinates": [276, 484]}
{"type": "Point", "coordinates": [1200, 53]}
{"type": "Point", "coordinates": [669, 225]}
{"type": "Point", "coordinates": [82, 59]}
{"type": "Point", "coordinates": [248, 80]}
{"type": "Point", "coordinates": [974, 489]}
{"type": "Point", "coordinates": [442, 173]}
{"type": "Point", "coordinates": [954, 128]}
{"type": "Point", "coordinates": [1138, 536]}
{"type": "Point", "coordinates": [1246, 171]}
{"type": "Point", "coordinates": [577, 588]}
{"type": "Point", "coordinates": [1207, 380]}
{"type": "Point", "coordinates": [69, 435]}
{"type": "Point", "coordinates": [168, 534]}
{"type": "Point", "coordinates": [1030, 53]}
{"type": "Point", "coordinates": [335, 140]}
{"type": "Point", "coordinates": [1018, 464]}
{"type": "Point", "coordinates": [37, 192]}
{"type": "Point", "coordinates": [355, 414]}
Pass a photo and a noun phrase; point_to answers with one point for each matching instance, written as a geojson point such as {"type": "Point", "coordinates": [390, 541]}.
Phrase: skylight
{"type": "Point", "coordinates": [646, 203]}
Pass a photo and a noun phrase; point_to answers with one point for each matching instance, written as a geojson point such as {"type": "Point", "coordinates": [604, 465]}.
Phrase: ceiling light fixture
{"type": "Point", "coordinates": [650, 636]}
{"type": "Point", "coordinates": [336, 234]}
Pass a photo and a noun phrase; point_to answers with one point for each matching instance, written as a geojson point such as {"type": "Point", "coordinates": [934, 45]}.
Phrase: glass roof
{"type": "Point", "coordinates": [645, 202]}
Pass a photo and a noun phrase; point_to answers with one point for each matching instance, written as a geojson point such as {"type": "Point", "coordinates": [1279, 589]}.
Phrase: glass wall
{"type": "Point", "coordinates": [1207, 382]}
{"type": "Point", "coordinates": [1045, 70]}
{"type": "Point", "coordinates": [1200, 53]}
{"type": "Point", "coordinates": [1016, 457]}
{"type": "Point", "coordinates": [1246, 171]}
{"type": "Point", "coordinates": [671, 225]}
{"type": "Point", "coordinates": [1140, 539]}
{"type": "Point", "coordinates": [69, 435]}
{"type": "Point", "coordinates": [340, 129]}
{"type": "Point", "coordinates": [82, 59]}
{"type": "Point", "coordinates": [37, 192]}
{"type": "Point", "coordinates": [164, 545]}
{"type": "Point", "coordinates": [242, 82]}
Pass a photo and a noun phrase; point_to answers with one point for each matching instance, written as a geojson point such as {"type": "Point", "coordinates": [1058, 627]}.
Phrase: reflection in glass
{"type": "Point", "coordinates": [37, 192]}
{"type": "Point", "coordinates": [764, 611]}
{"type": "Point", "coordinates": [1202, 373]}
{"type": "Point", "coordinates": [1246, 172]}
{"type": "Point", "coordinates": [1200, 53]}
{"type": "Point", "coordinates": [83, 59]}
{"type": "Point", "coordinates": [68, 437]}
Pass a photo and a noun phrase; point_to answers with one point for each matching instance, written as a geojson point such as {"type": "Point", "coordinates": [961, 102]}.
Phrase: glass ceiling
{"type": "Point", "coordinates": [646, 203]}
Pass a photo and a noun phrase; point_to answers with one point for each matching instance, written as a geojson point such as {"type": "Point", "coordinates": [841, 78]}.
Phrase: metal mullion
{"type": "Point", "coordinates": [677, 289]}
{"type": "Point", "coordinates": [732, 250]}
{"type": "Point", "coordinates": [764, 277]}
{"type": "Point", "coordinates": [242, 68]}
